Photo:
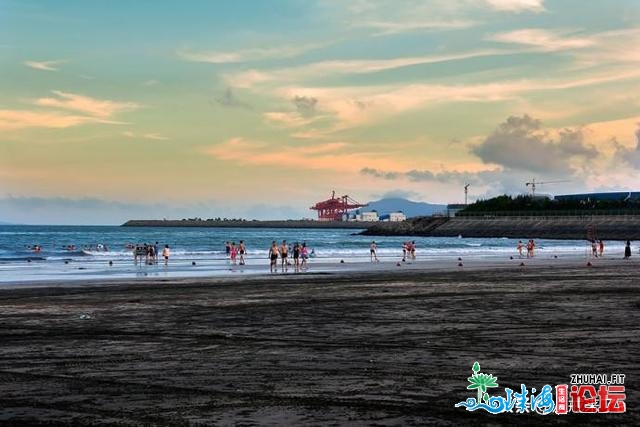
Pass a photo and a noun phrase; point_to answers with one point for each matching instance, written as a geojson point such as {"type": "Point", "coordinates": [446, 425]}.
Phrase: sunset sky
{"type": "Point", "coordinates": [111, 110]}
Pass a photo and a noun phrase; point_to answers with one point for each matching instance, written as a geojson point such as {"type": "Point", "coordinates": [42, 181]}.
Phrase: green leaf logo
{"type": "Point", "coordinates": [481, 382]}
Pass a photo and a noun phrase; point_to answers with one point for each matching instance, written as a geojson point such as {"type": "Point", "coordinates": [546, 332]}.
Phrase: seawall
{"type": "Point", "coordinates": [610, 227]}
{"type": "Point", "coordinates": [247, 224]}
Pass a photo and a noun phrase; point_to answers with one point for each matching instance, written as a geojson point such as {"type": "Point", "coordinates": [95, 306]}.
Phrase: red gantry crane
{"type": "Point", "coordinates": [332, 209]}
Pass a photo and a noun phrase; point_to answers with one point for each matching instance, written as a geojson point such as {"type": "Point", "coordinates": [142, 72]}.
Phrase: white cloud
{"type": "Point", "coordinates": [247, 55]}
{"type": "Point", "coordinates": [395, 27]}
{"type": "Point", "coordinates": [545, 39]}
{"type": "Point", "coordinates": [517, 5]}
{"type": "Point", "coordinates": [288, 119]}
{"type": "Point", "coordinates": [154, 136]}
{"type": "Point", "coordinates": [252, 78]}
{"type": "Point", "coordinates": [96, 107]}
{"type": "Point", "coordinates": [612, 47]}
{"type": "Point", "coordinates": [44, 65]}
{"type": "Point", "coordinates": [357, 105]}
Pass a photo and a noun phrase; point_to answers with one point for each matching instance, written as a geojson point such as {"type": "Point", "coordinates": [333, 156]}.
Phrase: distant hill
{"type": "Point", "coordinates": [409, 208]}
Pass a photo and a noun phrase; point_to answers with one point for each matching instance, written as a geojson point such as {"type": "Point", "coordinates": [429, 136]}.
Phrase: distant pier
{"type": "Point", "coordinates": [248, 224]}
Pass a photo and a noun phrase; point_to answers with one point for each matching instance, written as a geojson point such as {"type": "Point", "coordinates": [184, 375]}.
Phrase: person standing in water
{"type": "Point", "coordinates": [273, 257]}
{"type": "Point", "coordinates": [627, 250]}
{"type": "Point", "coordinates": [165, 254]}
{"type": "Point", "coordinates": [296, 256]}
{"type": "Point", "coordinates": [233, 253]}
{"type": "Point", "coordinates": [373, 248]}
{"type": "Point", "coordinates": [284, 253]}
{"type": "Point", "coordinates": [242, 250]}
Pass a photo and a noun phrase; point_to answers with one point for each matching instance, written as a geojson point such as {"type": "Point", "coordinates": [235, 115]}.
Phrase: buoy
{"type": "Point", "coordinates": [110, 262]}
{"type": "Point", "coordinates": [66, 262]}
{"type": "Point", "coordinates": [459, 264]}
{"type": "Point", "coordinates": [522, 264]}
{"type": "Point", "coordinates": [555, 256]}
{"type": "Point", "coordinates": [589, 264]}
{"type": "Point", "coordinates": [341, 261]}
{"type": "Point", "coordinates": [510, 257]}
{"type": "Point", "coordinates": [28, 260]}
{"type": "Point", "coordinates": [459, 259]}
{"type": "Point", "coordinates": [397, 264]}
{"type": "Point", "coordinates": [193, 263]}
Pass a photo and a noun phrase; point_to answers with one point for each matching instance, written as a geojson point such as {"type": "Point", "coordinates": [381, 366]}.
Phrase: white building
{"type": "Point", "coordinates": [367, 216]}
{"type": "Point", "coordinates": [397, 216]}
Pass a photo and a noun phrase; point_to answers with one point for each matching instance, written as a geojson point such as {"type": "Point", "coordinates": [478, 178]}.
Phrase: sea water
{"type": "Point", "coordinates": [104, 251]}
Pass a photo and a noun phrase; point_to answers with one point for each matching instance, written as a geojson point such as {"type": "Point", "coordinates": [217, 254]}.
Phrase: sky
{"type": "Point", "coordinates": [114, 110]}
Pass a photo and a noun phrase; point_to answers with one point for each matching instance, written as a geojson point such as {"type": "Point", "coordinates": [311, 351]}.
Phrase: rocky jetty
{"type": "Point", "coordinates": [609, 227]}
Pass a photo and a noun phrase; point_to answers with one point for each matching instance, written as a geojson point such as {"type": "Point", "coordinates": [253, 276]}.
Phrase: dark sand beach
{"type": "Point", "coordinates": [356, 348]}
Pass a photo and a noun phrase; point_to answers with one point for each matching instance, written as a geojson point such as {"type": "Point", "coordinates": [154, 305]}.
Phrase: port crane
{"type": "Point", "coordinates": [466, 192]}
{"type": "Point", "coordinates": [533, 184]}
{"type": "Point", "coordinates": [332, 209]}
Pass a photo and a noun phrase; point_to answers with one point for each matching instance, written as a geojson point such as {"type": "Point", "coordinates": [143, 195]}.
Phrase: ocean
{"type": "Point", "coordinates": [102, 252]}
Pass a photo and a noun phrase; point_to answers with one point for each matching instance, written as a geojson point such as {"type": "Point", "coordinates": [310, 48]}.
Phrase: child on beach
{"type": "Point", "coordinates": [233, 253]}
{"type": "Point", "coordinates": [520, 247]}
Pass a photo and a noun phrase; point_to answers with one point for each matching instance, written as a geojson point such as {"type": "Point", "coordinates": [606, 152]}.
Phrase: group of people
{"type": "Point", "coordinates": [300, 255]}
{"type": "Point", "coordinates": [531, 247]}
{"type": "Point", "coordinates": [234, 252]}
{"type": "Point", "coordinates": [149, 253]}
{"type": "Point", "coordinates": [408, 250]}
{"type": "Point", "coordinates": [597, 248]}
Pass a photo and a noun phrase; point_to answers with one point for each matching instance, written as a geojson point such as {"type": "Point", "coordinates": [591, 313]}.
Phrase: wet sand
{"type": "Point", "coordinates": [388, 347]}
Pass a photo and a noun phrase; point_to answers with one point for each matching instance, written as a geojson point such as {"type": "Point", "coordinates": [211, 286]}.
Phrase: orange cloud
{"type": "Point", "coordinates": [20, 119]}
{"type": "Point", "coordinates": [329, 156]}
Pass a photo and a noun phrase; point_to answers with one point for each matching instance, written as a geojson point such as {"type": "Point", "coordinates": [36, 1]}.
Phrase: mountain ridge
{"type": "Point", "coordinates": [410, 208]}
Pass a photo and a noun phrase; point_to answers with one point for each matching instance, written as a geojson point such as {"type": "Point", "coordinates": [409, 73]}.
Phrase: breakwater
{"type": "Point", "coordinates": [609, 227]}
{"type": "Point", "coordinates": [247, 224]}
